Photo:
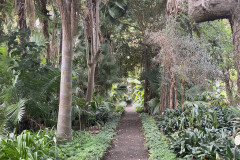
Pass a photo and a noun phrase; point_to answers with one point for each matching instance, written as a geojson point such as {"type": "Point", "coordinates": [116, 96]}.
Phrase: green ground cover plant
{"type": "Point", "coordinates": [205, 132]}
{"type": "Point", "coordinates": [157, 144]}
{"type": "Point", "coordinates": [90, 147]}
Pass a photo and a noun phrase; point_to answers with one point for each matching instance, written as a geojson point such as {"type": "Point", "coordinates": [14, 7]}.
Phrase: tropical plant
{"type": "Point", "coordinates": [201, 132]}
{"type": "Point", "coordinates": [28, 145]}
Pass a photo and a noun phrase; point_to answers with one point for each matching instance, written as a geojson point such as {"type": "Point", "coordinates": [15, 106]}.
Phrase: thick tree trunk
{"type": "Point", "coordinates": [65, 107]}
{"type": "Point", "coordinates": [91, 75]}
{"type": "Point", "coordinates": [209, 10]}
{"type": "Point", "coordinates": [235, 23]}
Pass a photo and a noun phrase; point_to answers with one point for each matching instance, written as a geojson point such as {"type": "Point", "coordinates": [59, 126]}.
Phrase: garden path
{"type": "Point", "coordinates": [129, 143]}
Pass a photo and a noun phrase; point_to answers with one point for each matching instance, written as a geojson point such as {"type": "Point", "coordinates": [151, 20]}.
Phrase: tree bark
{"type": "Point", "coordinates": [146, 84]}
{"type": "Point", "coordinates": [175, 96]}
{"type": "Point", "coordinates": [182, 94]}
{"type": "Point", "coordinates": [171, 96]}
{"type": "Point", "coordinates": [43, 7]}
{"type": "Point", "coordinates": [21, 14]}
{"type": "Point", "coordinates": [209, 10]}
{"type": "Point", "coordinates": [91, 75]}
{"type": "Point", "coordinates": [64, 124]}
{"type": "Point", "coordinates": [164, 93]}
{"type": "Point", "coordinates": [228, 91]}
{"type": "Point", "coordinates": [92, 60]}
{"type": "Point", "coordinates": [235, 23]}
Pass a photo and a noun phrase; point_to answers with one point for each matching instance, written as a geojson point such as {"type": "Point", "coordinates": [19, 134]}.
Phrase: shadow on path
{"type": "Point", "coordinates": [130, 139]}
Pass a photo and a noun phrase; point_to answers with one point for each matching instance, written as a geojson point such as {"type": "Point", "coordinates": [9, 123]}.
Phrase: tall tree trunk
{"type": "Point", "coordinates": [91, 75]}
{"type": "Point", "coordinates": [43, 7]}
{"type": "Point", "coordinates": [64, 124]}
{"type": "Point", "coordinates": [175, 96]}
{"type": "Point", "coordinates": [182, 94]}
{"type": "Point", "coordinates": [228, 91]}
{"type": "Point", "coordinates": [235, 23]}
{"type": "Point", "coordinates": [171, 96]}
{"type": "Point", "coordinates": [92, 21]}
{"type": "Point", "coordinates": [22, 24]}
{"type": "Point", "coordinates": [146, 84]}
{"type": "Point", "coordinates": [164, 94]}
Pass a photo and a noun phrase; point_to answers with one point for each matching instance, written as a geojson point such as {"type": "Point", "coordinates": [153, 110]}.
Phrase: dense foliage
{"type": "Point", "coordinates": [200, 131]}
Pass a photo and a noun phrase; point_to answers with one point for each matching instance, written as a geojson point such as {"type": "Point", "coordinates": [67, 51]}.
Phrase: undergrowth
{"type": "Point", "coordinates": [205, 132]}
{"type": "Point", "coordinates": [28, 145]}
{"type": "Point", "coordinates": [42, 145]}
{"type": "Point", "coordinates": [88, 147]}
{"type": "Point", "coordinates": [158, 146]}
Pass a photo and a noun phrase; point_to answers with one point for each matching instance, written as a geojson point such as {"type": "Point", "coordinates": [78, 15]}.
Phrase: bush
{"type": "Point", "coordinates": [158, 146]}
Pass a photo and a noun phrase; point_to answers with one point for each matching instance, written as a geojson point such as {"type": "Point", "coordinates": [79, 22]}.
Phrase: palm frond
{"type": "Point", "coordinates": [15, 112]}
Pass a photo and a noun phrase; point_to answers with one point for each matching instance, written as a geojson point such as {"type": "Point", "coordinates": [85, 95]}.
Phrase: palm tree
{"type": "Point", "coordinates": [69, 11]}
{"type": "Point", "coordinates": [65, 104]}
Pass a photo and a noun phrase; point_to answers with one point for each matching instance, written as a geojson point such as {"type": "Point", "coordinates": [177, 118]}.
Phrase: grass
{"type": "Point", "coordinates": [157, 144]}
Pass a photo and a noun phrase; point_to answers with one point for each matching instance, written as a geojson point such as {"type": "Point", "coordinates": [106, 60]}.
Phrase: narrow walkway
{"type": "Point", "coordinates": [130, 139]}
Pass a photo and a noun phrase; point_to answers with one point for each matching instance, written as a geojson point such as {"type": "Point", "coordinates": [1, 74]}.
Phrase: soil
{"type": "Point", "coordinates": [129, 143]}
